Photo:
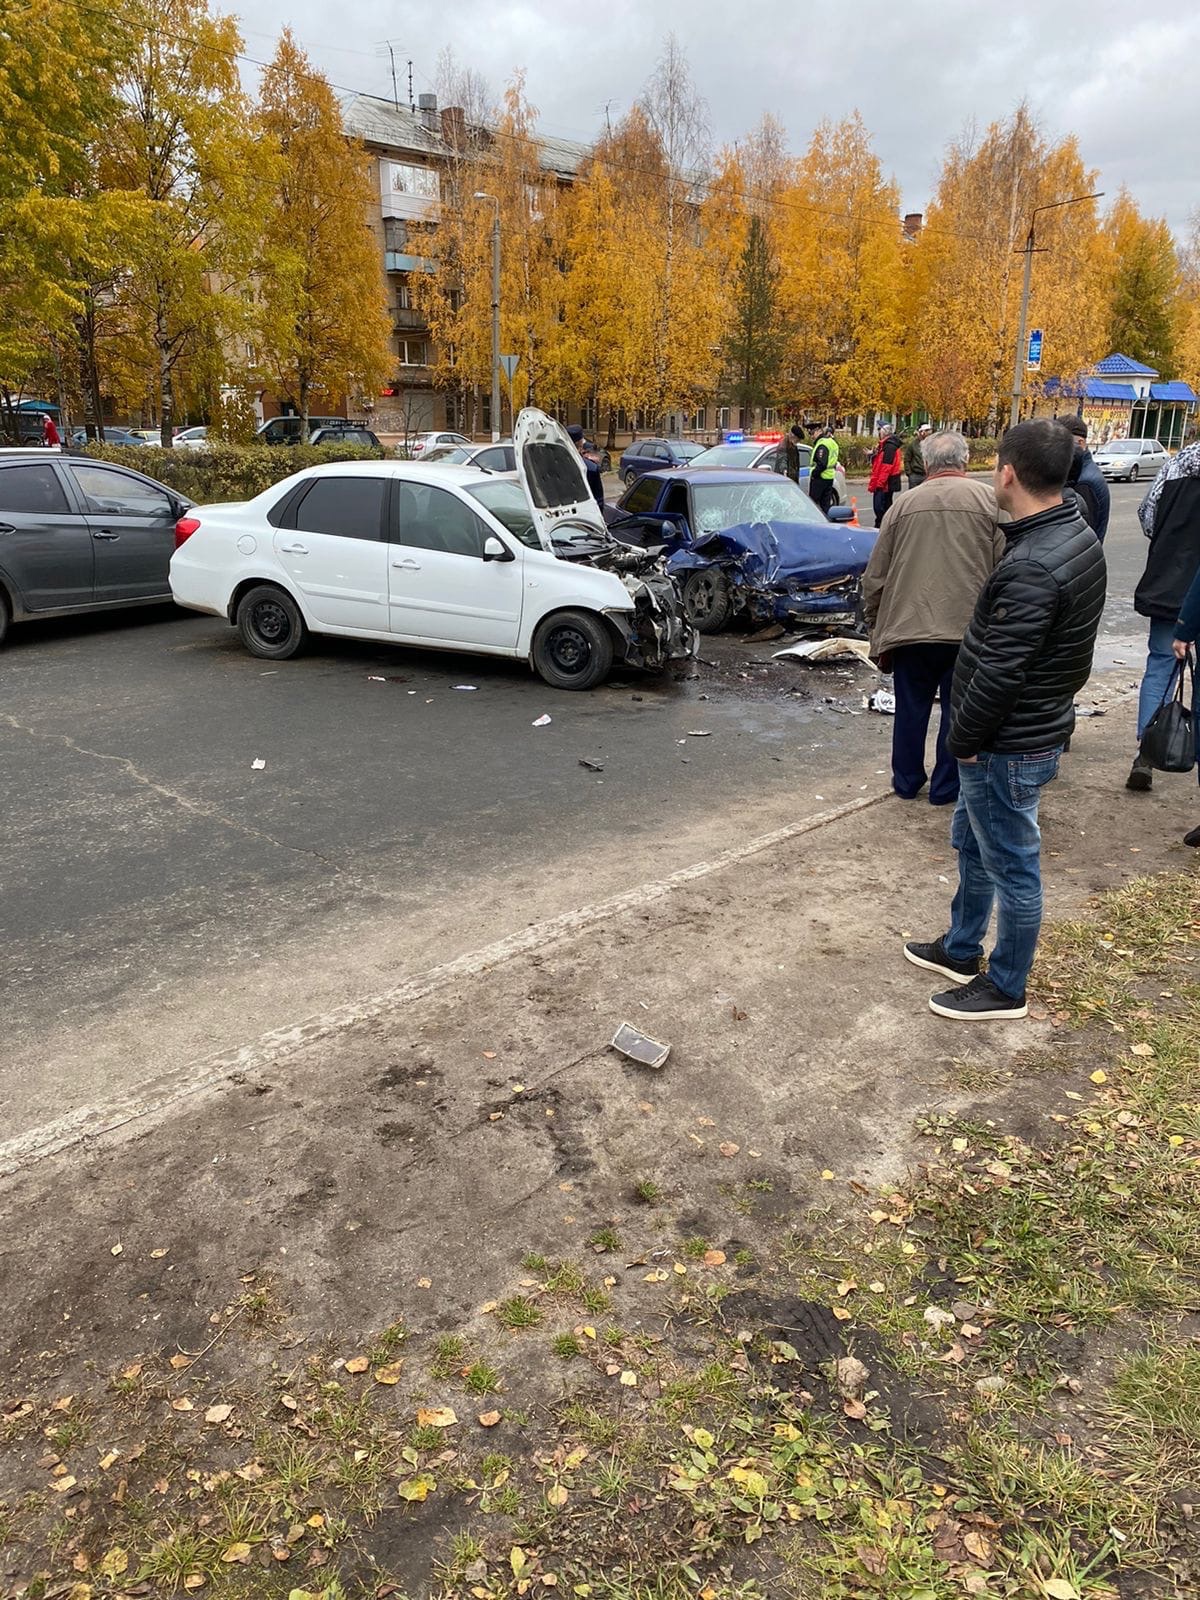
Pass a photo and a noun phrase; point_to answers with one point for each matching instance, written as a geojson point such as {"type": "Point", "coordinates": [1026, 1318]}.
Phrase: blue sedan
{"type": "Point", "coordinates": [750, 543]}
{"type": "Point", "coordinates": [653, 455]}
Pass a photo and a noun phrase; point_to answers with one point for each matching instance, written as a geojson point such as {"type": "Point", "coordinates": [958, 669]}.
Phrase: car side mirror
{"type": "Point", "coordinates": [840, 514]}
{"type": "Point", "coordinates": [496, 550]}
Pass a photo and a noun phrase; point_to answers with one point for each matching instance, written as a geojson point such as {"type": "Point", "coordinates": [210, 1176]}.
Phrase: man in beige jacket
{"type": "Point", "coordinates": [937, 545]}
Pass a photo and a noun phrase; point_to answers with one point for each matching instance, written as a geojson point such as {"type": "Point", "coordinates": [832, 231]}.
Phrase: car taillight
{"type": "Point", "coordinates": [184, 529]}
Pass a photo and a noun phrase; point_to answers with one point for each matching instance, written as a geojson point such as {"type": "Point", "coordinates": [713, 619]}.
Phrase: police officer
{"type": "Point", "coordinates": [822, 466]}
{"type": "Point", "coordinates": [591, 462]}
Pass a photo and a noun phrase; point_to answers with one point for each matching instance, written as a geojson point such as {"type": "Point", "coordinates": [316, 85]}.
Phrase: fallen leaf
{"type": "Point", "coordinates": [130, 1373]}
{"type": "Point", "coordinates": [1059, 1589]}
{"type": "Point", "coordinates": [288, 1402]}
{"type": "Point", "coordinates": [415, 1489]}
{"type": "Point", "coordinates": [959, 1145]}
{"type": "Point", "coordinates": [728, 1148]}
{"type": "Point", "coordinates": [194, 1580]}
{"type": "Point", "coordinates": [237, 1554]}
{"type": "Point", "coordinates": [516, 1560]}
{"type": "Point", "coordinates": [842, 1313]}
{"type": "Point", "coordinates": [489, 1055]}
{"type": "Point", "coordinates": [61, 1485]}
{"type": "Point", "coordinates": [1141, 1049]}
{"type": "Point", "coordinates": [182, 1404]}
{"type": "Point", "coordinates": [115, 1562]}
{"type": "Point", "coordinates": [357, 1364]}
{"type": "Point", "coordinates": [388, 1375]}
{"type": "Point", "coordinates": [488, 1419]}
{"type": "Point", "coordinates": [827, 1175]}
{"type": "Point", "coordinates": [281, 1552]}
{"type": "Point", "coordinates": [846, 1286]}
{"type": "Point", "coordinates": [218, 1413]}
{"type": "Point", "coordinates": [107, 1461]}
{"type": "Point", "coordinates": [180, 1362]}
{"type": "Point", "coordinates": [855, 1409]}
{"type": "Point", "coordinates": [117, 1250]}
{"type": "Point", "coordinates": [557, 1496]}
{"type": "Point", "coordinates": [436, 1417]}
{"type": "Point", "coordinates": [157, 1255]}
{"type": "Point", "coordinates": [317, 1520]}
{"type": "Point", "coordinates": [424, 1283]}
{"type": "Point", "coordinates": [656, 1275]}
{"type": "Point", "coordinates": [978, 1545]}
{"type": "Point", "coordinates": [1099, 1076]}
{"type": "Point", "coordinates": [714, 1258]}
{"type": "Point", "coordinates": [629, 1379]}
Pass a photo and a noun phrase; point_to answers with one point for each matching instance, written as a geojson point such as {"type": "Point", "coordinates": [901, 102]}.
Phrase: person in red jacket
{"type": "Point", "coordinates": [887, 466]}
{"type": "Point", "coordinates": [49, 431]}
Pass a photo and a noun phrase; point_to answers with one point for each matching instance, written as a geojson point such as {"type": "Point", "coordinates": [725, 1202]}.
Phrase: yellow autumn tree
{"type": "Point", "coordinates": [1143, 283]}
{"type": "Point", "coordinates": [844, 267]}
{"type": "Point", "coordinates": [322, 323]}
{"type": "Point", "coordinates": [967, 269]}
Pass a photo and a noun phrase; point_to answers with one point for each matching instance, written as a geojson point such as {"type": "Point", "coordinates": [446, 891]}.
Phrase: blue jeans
{"type": "Point", "coordinates": [1160, 664]}
{"type": "Point", "coordinates": [995, 831]}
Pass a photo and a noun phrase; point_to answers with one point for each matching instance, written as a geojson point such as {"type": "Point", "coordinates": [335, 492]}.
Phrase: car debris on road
{"type": "Point", "coordinates": [637, 1046]}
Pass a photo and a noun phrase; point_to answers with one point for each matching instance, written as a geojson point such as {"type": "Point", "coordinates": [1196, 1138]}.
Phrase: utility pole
{"type": "Point", "coordinates": [1029, 250]}
{"type": "Point", "coordinates": [495, 313]}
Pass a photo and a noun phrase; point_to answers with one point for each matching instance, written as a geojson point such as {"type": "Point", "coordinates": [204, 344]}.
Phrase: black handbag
{"type": "Point", "coordinates": [1169, 742]}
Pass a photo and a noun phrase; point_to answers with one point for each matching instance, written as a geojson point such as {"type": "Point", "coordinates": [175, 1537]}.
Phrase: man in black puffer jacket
{"type": "Point", "coordinates": [1026, 653]}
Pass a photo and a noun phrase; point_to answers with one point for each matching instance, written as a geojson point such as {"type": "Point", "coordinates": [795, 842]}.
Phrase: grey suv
{"type": "Point", "coordinates": [81, 535]}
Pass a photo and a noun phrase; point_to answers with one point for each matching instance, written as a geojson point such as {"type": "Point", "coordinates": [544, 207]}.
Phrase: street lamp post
{"type": "Point", "coordinates": [1028, 250]}
{"type": "Point", "coordinates": [495, 313]}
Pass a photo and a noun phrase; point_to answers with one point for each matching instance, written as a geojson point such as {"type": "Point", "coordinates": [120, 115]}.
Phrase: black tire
{"type": "Point", "coordinates": [708, 599]}
{"type": "Point", "coordinates": [605, 461]}
{"type": "Point", "coordinates": [1133, 474]}
{"type": "Point", "coordinates": [630, 477]}
{"type": "Point", "coordinates": [5, 616]}
{"type": "Point", "coordinates": [835, 499]}
{"type": "Point", "coordinates": [270, 624]}
{"type": "Point", "coordinates": [572, 650]}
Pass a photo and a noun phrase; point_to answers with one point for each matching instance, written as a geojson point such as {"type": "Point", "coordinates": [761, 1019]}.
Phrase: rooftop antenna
{"type": "Point", "coordinates": [391, 54]}
{"type": "Point", "coordinates": [412, 104]}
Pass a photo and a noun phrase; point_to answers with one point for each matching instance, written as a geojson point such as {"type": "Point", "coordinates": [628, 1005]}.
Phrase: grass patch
{"type": "Point", "coordinates": [480, 1378]}
{"type": "Point", "coordinates": [605, 1239]}
{"type": "Point", "coordinates": [567, 1346]}
{"type": "Point", "coordinates": [519, 1311]}
{"type": "Point", "coordinates": [647, 1191]}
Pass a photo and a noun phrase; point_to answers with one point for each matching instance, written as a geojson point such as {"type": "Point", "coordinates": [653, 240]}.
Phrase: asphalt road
{"type": "Point", "coordinates": [162, 899]}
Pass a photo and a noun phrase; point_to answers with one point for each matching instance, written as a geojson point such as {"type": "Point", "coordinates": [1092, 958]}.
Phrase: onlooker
{"type": "Point", "coordinates": [791, 452]}
{"type": "Point", "coordinates": [914, 461]}
{"type": "Point", "coordinates": [1086, 479]}
{"type": "Point", "coordinates": [933, 555]}
{"type": "Point", "coordinates": [1170, 517]}
{"type": "Point", "coordinates": [50, 434]}
{"type": "Point", "coordinates": [822, 466]}
{"type": "Point", "coordinates": [591, 462]}
{"type": "Point", "coordinates": [887, 464]}
{"type": "Point", "coordinates": [1186, 630]}
{"type": "Point", "coordinates": [1026, 652]}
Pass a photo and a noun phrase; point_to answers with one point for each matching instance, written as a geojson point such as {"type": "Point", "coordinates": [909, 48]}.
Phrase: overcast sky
{"type": "Point", "coordinates": [1122, 77]}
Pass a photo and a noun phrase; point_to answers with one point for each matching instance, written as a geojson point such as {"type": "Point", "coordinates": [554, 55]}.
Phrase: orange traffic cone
{"type": "Point", "coordinates": [854, 522]}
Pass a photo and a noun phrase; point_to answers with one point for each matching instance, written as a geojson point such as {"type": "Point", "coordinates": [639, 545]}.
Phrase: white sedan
{"type": "Point", "coordinates": [441, 557]}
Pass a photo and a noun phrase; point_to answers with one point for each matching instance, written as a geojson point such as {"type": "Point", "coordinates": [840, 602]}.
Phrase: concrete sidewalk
{"type": "Point", "coordinates": [457, 1126]}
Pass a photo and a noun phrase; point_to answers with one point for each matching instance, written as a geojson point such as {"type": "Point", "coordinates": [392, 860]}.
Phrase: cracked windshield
{"type": "Point", "coordinates": [730, 505]}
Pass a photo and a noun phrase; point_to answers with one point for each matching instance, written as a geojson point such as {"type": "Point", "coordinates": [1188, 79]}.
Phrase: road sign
{"type": "Point", "coordinates": [510, 364]}
{"type": "Point", "coordinates": [1034, 358]}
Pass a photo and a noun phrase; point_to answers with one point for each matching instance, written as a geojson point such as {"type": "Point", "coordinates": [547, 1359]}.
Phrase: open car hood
{"type": "Point", "coordinates": [553, 476]}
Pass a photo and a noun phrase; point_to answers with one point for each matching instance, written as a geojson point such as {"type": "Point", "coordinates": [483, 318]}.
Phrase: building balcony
{"type": "Point", "coordinates": [398, 261]}
{"type": "Point", "coordinates": [408, 320]}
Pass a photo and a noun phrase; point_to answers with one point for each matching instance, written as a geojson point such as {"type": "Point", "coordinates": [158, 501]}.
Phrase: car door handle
{"type": "Point", "coordinates": [408, 565]}
{"type": "Point", "coordinates": [294, 549]}
{"type": "Point", "coordinates": [105, 533]}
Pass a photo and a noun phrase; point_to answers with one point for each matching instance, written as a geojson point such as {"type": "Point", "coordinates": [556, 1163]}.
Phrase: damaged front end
{"type": "Point", "coordinates": [658, 632]}
{"type": "Point", "coordinates": [800, 576]}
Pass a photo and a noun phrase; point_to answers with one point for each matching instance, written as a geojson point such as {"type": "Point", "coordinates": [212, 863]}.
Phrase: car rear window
{"type": "Point", "coordinates": [351, 508]}
{"type": "Point", "coordinates": [33, 488]}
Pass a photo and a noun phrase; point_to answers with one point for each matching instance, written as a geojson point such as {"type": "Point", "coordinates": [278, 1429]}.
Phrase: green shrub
{"type": "Point", "coordinates": [854, 452]}
{"type": "Point", "coordinates": [226, 471]}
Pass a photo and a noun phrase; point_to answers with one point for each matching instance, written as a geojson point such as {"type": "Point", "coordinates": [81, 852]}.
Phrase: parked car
{"type": "Point", "coordinates": [288, 430]}
{"type": "Point", "coordinates": [743, 542]}
{"type": "Point", "coordinates": [650, 455]}
{"type": "Point", "coordinates": [500, 457]}
{"type": "Point", "coordinates": [443, 557]}
{"type": "Point", "coordinates": [362, 437]}
{"type": "Point", "coordinates": [768, 455]}
{"type": "Point", "coordinates": [421, 442]}
{"type": "Point", "coordinates": [81, 535]}
{"type": "Point", "coordinates": [191, 439]}
{"type": "Point", "coordinates": [1130, 459]}
{"type": "Point", "coordinates": [123, 436]}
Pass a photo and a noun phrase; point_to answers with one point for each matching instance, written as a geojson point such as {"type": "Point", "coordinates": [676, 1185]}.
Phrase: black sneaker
{"type": "Point", "coordinates": [1141, 776]}
{"type": "Point", "coordinates": [933, 958]}
{"type": "Point", "coordinates": [979, 1001]}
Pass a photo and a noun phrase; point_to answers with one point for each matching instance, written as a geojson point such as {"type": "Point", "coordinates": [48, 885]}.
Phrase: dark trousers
{"type": "Point", "coordinates": [923, 673]}
{"type": "Point", "coordinates": [821, 490]}
{"type": "Point", "coordinates": [881, 499]}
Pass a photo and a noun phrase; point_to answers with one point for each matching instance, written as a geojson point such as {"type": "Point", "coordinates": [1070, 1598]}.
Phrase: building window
{"type": "Point", "coordinates": [700, 421]}
{"type": "Point", "coordinates": [453, 412]}
{"type": "Point", "coordinates": [722, 418]}
{"type": "Point", "coordinates": [770, 417]}
{"type": "Point", "coordinates": [589, 416]}
{"type": "Point", "coordinates": [403, 298]}
{"type": "Point", "coordinates": [395, 234]}
{"type": "Point", "coordinates": [412, 352]}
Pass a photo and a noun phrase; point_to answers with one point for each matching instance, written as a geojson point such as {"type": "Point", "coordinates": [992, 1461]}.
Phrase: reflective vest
{"type": "Point", "coordinates": [831, 445]}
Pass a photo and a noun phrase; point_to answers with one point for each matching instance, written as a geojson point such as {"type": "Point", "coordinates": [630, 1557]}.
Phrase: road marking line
{"type": "Point", "coordinates": [159, 1095]}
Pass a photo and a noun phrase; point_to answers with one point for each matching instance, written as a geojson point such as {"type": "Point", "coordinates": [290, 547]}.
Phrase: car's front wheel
{"type": "Point", "coordinates": [5, 616]}
{"type": "Point", "coordinates": [708, 599]}
{"type": "Point", "coordinates": [630, 476]}
{"type": "Point", "coordinates": [1133, 474]}
{"type": "Point", "coordinates": [270, 624]}
{"type": "Point", "coordinates": [572, 650]}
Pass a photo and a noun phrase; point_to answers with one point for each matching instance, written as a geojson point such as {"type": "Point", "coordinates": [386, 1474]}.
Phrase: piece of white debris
{"type": "Point", "coordinates": [541, 722]}
{"type": "Point", "coordinates": [257, 764]}
{"type": "Point", "coordinates": [373, 677]}
{"type": "Point", "coordinates": [467, 688]}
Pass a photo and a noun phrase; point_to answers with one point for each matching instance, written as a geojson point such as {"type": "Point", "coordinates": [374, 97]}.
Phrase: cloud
{"type": "Point", "coordinates": [1113, 74]}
